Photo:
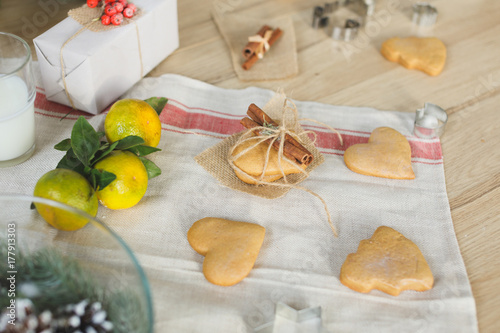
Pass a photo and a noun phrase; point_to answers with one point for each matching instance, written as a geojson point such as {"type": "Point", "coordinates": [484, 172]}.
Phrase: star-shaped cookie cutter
{"type": "Point", "coordinates": [430, 121]}
{"type": "Point", "coordinates": [349, 30]}
{"type": "Point", "coordinates": [295, 317]}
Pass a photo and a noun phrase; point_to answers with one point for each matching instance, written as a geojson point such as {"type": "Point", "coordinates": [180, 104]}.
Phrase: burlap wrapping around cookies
{"type": "Point", "coordinates": [90, 18]}
{"type": "Point", "coordinates": [215, 159]}
{"type": "Point", "coordinates": [280, 62]}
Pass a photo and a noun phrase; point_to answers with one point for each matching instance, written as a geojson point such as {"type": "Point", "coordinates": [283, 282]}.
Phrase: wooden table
{"type": "Point", "coordinates": [356, 74]}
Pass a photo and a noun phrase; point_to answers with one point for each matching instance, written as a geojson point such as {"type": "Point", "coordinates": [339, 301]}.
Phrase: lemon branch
{"type": "Point", "coordinates": [85, 148]}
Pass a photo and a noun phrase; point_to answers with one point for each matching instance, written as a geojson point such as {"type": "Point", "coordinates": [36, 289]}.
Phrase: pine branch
{"type": "Point", "coordinates": [60, 281]}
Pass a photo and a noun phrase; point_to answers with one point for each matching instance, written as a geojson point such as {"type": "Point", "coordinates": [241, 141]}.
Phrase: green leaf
{"type": "Point", "coordinates": [71, 162]}
{"type": "Point", "coordinates": [157, 103]}
{"type": "Point", "coordinates": [92, 180]}
{"type": "Point", "coordinates": [101, 134]}
{"type": "Point", "coordinates": [84, 141]}
{"type": "Point", "coordinates": [64, 145]}
{"type": "Point", "coordinates": [105, 150]}
{"type": "Point", "coordinates": [152, 169]}
{"type": "Point", "coordinates": [102, 178]}
{"type": "Point", "coordinates": [87, 170]}
{"type": "Point", "coordinates": [143, 150]}
{"type": "Point", "coordinates": [129, 141]}
{"type": "Point", "coordinates": [104, 145]}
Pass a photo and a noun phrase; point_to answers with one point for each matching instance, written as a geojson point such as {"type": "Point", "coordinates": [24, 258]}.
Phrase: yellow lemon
{"type": "Point", "coordinates": [133, 117]}
{"type": "Point", "coordinates": [68, 187]}
{"type": "Point", "coordinates": [131, 180]}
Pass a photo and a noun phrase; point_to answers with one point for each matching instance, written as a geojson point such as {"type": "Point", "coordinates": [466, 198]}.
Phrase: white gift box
{"type": "Point", "coordinates": [101, 66]}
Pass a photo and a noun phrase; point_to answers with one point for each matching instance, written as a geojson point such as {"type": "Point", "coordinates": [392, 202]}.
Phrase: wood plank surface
{"type": "Point", "coordinates": [356, 74]}
{"type": "Point", "coordinates": [472, 169]}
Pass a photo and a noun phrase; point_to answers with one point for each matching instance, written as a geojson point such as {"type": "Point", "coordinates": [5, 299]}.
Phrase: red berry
{"type": "Point", "coordinates": [131, 5]}
{"type": "Point", "coordinates": [110, 10]}
{"type": "Point", "coordinates": [109, 1]}
{"type": "Point", "coordinates": [92, 3]}
{"type": "Point", "coordinates": [117, 19]}
{"type": "Point", "coordinates": [118, 6]}
{"type": "Point", "coordinates": [123, 2]}
{"type": "Point", "coordinates": [105, 19]}
{"type": "Point", "coordinates": [128, 12]}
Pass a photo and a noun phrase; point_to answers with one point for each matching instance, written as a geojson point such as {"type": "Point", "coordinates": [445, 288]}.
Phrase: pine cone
{"type": "Point", "coordinates": [82, 318]}
{"type": "Point", "coordinates": [26, 321]}
{"type": "Point", "coordinates": [74, 318]}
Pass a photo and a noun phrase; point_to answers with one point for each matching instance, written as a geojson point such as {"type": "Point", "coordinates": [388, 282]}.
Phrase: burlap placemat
{"type": "Point", "coordinates": [280, 62]}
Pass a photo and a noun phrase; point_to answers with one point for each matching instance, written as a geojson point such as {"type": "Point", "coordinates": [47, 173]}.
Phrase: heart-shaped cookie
{"type": "Point", "coordinates": [425, 54]}
{"type": "Point", "coordinates": [387, 154]}
{"type": "Point", "coordinates": [230, 248]}
{"type": "Point", "coordinates": [388, 262]}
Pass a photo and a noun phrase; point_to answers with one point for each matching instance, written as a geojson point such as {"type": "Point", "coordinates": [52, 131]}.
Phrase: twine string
{"type": "Point", "coordinates": [63, 72]}
{"type": "Point", "coordinates": [139, 46]}
{"type": "Point", "coordinates": [263, 43]}
{"type": "Point", "coordinates": [323, 124]}
{"type": "Point", "coordinates": [272, 134]}
{"type": "Point", "coordinates": [83, 28]}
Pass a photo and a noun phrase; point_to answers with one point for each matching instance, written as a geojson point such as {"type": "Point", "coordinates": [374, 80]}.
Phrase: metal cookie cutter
{"type": "Point", "coordinates": [287, 319]}
{"type": "Point", "coordinates": [424, 14]}
{"type": "Point", "coordinates": [319, 18]}
{"type": "Point", "coordinates": [349, 30]}
{"type": "Point", "coordinates": [430, 121]}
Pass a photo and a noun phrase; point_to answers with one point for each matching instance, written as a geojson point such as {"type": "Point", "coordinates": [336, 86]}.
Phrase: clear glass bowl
{"type": "Point", "coordinates": [53, 272]}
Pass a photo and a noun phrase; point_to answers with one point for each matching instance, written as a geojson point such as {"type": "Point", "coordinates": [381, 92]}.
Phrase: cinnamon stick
{"type": "Point", "coordinates": [289, 150]}
{"type": "Point", "coordinates": [292, 149]}
{"type": "Point", "coordinates": [260, 117]}
{"type": "Point", "coordinates": [250, 48]}
{"type": "Point", "coordinates": [253, 59]}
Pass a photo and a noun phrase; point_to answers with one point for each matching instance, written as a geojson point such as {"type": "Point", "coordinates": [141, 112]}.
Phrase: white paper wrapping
{"type": "Point", "coordinates": [100, 66]}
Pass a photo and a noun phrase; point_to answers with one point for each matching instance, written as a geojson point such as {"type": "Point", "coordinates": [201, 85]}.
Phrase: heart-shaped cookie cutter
{"type": "Point", "coordinates": [424, 14]}
{"type": "Point", "coordinates": [349, 30]}
{"type": "Point", "coordinates": [430, 121]}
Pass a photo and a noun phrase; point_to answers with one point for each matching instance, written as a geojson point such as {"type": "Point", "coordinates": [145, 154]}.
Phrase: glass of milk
{"type": "Point", "coordinates": [17, 97]}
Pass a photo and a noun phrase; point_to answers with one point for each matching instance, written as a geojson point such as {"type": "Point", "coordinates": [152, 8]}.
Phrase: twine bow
{"type": "Point", "coordinates": [271, 134]}
{"type": "Point", "coordinates": [263, 41]}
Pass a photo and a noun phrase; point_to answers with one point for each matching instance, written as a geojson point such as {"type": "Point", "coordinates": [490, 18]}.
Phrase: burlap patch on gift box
{"type": "Point", "coordinates": [215, 158]}
{"type": "Point", "coordinates": [90, 18]}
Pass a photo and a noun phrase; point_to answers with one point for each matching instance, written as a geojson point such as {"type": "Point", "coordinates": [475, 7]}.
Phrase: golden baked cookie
{"type": "Point", "coordinates": [252, 163]}
{"type": "Point", "coordinates": [427, 54]}
{"type": "Point", "coordinates": [230, 248]}
{"type": "Point", "coordinates": [387, 154]}
{"type": "Point", "coordinates": [388, 262]}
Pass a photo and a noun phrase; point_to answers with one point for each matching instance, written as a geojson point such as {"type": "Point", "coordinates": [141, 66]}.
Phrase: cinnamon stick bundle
{"type": "Point", "coordinates": [292, 149]}
{"type": "Point", "coordinates": [254, 57]}
{"type": "Point", "coordinates": [251, 47]}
